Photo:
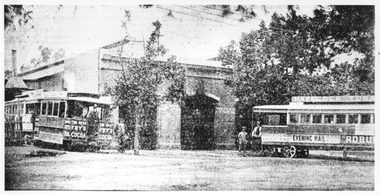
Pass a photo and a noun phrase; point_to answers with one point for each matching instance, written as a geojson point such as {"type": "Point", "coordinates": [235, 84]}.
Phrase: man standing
{"type": "Point", "coordinates": [242, 140]}
{"type": "Point", "coordinates": [256, 135]}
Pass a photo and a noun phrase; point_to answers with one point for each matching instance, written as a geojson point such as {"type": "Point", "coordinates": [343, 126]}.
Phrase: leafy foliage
{"type": "Point", "coordinates": [137, 87]}
{"type": "Point", "coordinates": [295, 55]}
{"type": "Point", "coordinates": [47, 56]}
{"type": "Point", "coordinates": [16, 13]}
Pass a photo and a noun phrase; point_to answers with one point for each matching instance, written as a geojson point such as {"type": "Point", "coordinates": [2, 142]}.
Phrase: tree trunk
{"type": "Point", "coordinates": [137, 131]}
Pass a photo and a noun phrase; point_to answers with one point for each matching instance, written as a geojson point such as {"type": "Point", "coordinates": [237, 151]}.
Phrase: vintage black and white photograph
{"type": "Point", "coordinates": [203, 96]}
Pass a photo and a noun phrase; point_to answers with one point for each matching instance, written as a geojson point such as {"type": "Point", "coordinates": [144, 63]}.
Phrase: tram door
{"type": "Point", "coordinates": [197, 123]}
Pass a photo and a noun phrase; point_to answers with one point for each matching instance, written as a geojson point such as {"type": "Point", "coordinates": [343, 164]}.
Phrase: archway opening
{"type": "Point", "coordinates": [197, 122]}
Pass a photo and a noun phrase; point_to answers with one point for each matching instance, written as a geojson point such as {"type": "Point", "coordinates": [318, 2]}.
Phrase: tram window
{"type": "Point", "coordinates": [74, 109]}
{"type": "Point", "coordinates": [340, 118]}
{"type": "Point", "coordinates": [106, 113]}
{"type": "Point", "coordinates": [305, 118]}
{"type": "Point", "coordinates": [365, 118]}
{"type": "Point", "coordinates": [55, 108]}
{"type": "Point", "coordinates": [44, 108]}
{"type": "Point", "coordinates": [275, 119]}
{"type": "Point", "coordinates": [329, 118]}
{"type": "Point", "coordinates": [31, 108]}
{"type": "Point", "coordinates": [62, 107]}
{"type": "Point", "coordinates": [293, 118]}
{"type": "Point", "coordinates": [21, 109]}
{"type": "Point", "coordinates": [353, 118]}
{"type": "Point", "coordinates": [317, 118]}
{"type": "Point", "coordinates": [50, 108]}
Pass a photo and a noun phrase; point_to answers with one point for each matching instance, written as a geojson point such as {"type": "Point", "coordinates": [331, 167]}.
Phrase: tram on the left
{"type": "Point", "coordinates": [61, 118]}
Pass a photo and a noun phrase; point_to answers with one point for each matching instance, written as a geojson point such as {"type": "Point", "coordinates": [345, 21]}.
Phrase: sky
{"type": "Point", "coordinates": [192, 32]}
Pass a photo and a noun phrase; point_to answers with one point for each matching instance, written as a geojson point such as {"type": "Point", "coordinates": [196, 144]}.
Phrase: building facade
{"type": "Point", "coordinates": [205, 121]}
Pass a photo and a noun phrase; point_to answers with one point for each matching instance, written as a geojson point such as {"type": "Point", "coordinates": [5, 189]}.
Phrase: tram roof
{"type": "Point", "coordinates": [92, 100]}
{"type": "Point", "coordinates": [35, 99]}
{"type": "Point", "coordinates": [339, 108]}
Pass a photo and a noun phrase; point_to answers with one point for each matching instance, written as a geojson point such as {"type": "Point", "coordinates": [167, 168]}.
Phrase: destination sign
{"type": "Point", "coordinates": [333, 99]}
{"type": "Point", "coordinates": [299, 138]}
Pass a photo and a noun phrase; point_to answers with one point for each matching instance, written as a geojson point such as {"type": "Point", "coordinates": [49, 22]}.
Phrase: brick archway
{"type": "Point", "coordinates": [197, 122]}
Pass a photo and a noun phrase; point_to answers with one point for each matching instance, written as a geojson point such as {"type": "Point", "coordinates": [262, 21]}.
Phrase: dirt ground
{"type": "Point", "coordinates": [32, 168]}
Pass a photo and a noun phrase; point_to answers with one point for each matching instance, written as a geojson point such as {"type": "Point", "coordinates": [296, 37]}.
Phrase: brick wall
{"type": "Point", "coordinates": [169, 115]}
{"type": "Point", "coordinates": [169, 126]}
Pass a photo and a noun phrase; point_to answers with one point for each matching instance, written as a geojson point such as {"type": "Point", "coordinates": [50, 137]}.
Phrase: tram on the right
{"type": "Point", "coordinates": [318, 122]}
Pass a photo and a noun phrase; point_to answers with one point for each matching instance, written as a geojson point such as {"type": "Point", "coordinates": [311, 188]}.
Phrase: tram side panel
{"type": "Point", "coordinates": [51, 129]}
{"type": "Point", "coordinates": [323, 136]}
{"type": "Point", "coordinates": [57, 130]}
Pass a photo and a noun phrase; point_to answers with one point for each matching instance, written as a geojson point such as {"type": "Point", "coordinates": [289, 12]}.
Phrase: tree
{"type": "Point", "coordinates": [352, 27]}
{"type": "Point", "coordinates": [46, 56]}
{"type": "Point", "coordinates": [294, 56]}
{"type": "Point", "coordinates": [16, 12]}
{"type": "Point", "coordinates": [136, 89]}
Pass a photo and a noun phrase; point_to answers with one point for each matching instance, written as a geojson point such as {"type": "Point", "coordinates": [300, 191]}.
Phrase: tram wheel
{"type": "Point", "coordinates": [290, 151]}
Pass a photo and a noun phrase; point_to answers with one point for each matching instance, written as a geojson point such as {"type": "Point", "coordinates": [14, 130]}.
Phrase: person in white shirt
{"type": "Point", "coordinates": [242, 140]}
{"type": "Point", "coordinates": [256, 135]}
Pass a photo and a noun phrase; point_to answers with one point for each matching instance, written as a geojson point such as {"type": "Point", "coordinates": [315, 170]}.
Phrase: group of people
{"type": "Point", "coordinates": [256, 138]}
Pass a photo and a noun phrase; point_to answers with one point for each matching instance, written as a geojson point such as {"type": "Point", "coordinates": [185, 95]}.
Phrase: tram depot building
{"type": "Point", "coordinates": [92, 72]}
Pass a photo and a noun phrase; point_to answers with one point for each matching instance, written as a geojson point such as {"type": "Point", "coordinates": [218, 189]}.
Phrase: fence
{"type": "Point", "coordinates": [13, 131]}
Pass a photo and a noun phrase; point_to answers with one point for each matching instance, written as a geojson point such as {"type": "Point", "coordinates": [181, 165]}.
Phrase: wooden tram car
{"type": "Point", "coordinates": [63, 118]}
{"type": "Point", "coordinates": [324, 122]}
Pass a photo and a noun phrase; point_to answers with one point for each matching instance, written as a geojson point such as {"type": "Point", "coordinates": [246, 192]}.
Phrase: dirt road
{"type": "Point", "coordinates": [180, 170]}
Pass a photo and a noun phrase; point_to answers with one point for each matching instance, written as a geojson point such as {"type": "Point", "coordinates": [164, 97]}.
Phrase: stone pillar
{"type": "Point", "coordinates": [169, 126]}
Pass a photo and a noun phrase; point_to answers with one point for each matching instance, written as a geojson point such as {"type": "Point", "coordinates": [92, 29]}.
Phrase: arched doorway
{"type": "Point", "coordinates": [197, 122]}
